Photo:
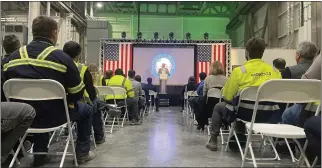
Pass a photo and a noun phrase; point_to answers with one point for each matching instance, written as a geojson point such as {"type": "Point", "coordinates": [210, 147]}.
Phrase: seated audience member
{"type": "Point", "coordinates": [97, 79]}
{"type": "Point", "coordinates": [146, 88]}
{"type": "Point", "coordinates": [90, 99]}
{"type": "Point", "coordinates": [52, 113]}
{"type": "Point", "coordinates": [137, 88]}
{"type": "Point", "coordinates": [15, 120]}
{"type": "Point", "coordinates": [141, 98]}
{"type": "Point", "coordinates": [312, 129]}
{"type": "Point", "coordinates": [291, 114]}
{"type": "Point", "coordinates": [253, 73]}
{"type": "Point", "coordinates": [136, 85]}
{"type": "Point", "coordinates": [314, 72]}
{"type": "Point", "coordinates": [279, 63]}
{"type": "Point", "coordinates": [108, 75]}
{"type": "Point", "coordinates": [118, 80]}
{"type": "Point", "coordinates": [200, 86]}
{"type": "Point", "coordinates": [216, 79]}
{"type": "Point", "coordinates": [10, 44]}
{"type": "Point", "coordinates": [304, 58]}
{"type": "Point", "coordinates": [190, 86]}
{"type": "Point", "coordinates": [194, 100]}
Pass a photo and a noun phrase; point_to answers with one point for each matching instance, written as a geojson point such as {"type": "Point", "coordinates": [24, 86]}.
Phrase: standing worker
{"type": "Point", "coordinates": [41, 60]}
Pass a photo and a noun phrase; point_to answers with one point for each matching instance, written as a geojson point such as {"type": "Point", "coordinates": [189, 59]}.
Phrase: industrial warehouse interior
{"type": "Point", "coordinates": [160, 83]}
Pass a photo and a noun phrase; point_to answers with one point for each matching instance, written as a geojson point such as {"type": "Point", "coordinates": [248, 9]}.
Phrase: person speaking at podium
{"type": "Point", "coordinates": [163, 74]}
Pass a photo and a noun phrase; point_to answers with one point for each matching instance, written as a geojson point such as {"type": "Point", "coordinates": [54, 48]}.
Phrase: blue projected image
{"type": "Point", "coordinates": [165, 61]}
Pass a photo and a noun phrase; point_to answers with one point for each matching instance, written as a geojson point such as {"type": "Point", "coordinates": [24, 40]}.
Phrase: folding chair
{"type": "Point", "coordinates": [104, 91]}
{"type": "Point", "coordinates": [122, 91]}
{"type": "Point", "coordinates": [154, 94]}
{"type": "Point", "coordinates": [216, 93]}
{"type": "Point", "coordinates": [38, 90]}
{"type": "Point", "coordinates": [189, 110]}
{"type": "Point", "coordinates": [145, 106]}
{"type": "Point", "coordinates": [283, 91]}
{"type": "Point", "coordinates": [248, 94]}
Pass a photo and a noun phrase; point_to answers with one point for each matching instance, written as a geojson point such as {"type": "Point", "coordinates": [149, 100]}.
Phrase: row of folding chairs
{"type": "Point", "coordinates": [212, 93]}
{"type": "Point", "coordinates": [278, 91]}
{"type": "Point", "coordinates": [103, 91]}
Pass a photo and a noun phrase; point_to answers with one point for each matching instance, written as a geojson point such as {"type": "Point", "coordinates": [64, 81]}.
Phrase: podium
{"type": "Point", "coordinates": [163, 83]}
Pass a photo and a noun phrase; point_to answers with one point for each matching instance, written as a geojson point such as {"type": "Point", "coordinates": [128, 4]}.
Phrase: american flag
{"type": "Point", "coordinates": [208, 53]}
{"type": "Point", "coordinates": [117, 56]}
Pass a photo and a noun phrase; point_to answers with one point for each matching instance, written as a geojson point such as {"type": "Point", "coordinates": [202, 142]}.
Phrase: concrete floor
{"type": "Point", "coordinates": [165, 139]}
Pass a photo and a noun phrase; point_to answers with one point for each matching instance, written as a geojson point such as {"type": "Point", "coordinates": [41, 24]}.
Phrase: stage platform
{"type": "Point", "coordinates": [173, 96]}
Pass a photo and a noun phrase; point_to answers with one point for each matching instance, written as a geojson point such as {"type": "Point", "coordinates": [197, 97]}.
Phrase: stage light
{"type": "Point", "coordinates": [171, 35]}
{"type": "Point", "coordinates": [205, 36]}
{"type": "Point", "coordinates": [188, 36]}
{"type": "Point", "coordinates": [123, 35]}
{"type": "Point", "coordinates": [156, 35]}
{"type": "Point", "coordinates": [139, 35]}
{"type": "Point", "coordinates": [99, 5]}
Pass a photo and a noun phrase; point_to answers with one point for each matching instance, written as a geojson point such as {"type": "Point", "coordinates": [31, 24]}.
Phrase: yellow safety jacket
{"type": "Point", "coordinates": [82, 69]}
{"type": "Point", "coordinates": [99, 80]}
{"type": "Point", "coordinates": [120, 81]}
{"type": "Point", "coordinates": [253, 73]}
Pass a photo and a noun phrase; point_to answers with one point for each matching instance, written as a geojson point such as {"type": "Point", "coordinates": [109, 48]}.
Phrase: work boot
{"type": "Point", "coordinates": [90, 156]}
{"type": "Point", "coordinates": [133, 122]}
{"type": "Point", "coordinates": [40, 160]}
{"type": "Point", "coordinates": [212, 144]}
{"type": "Point", "coordinates": [98, 142]}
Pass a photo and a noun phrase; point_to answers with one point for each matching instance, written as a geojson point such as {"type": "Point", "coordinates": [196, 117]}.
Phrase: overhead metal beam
{"type": "Point", "coordinates": [135, 7]}
{"type": "Point", "coordinates": [76, 17]}
{"type": "Point", "coordinates": [178, 8]}
{"type": "Point", "coordinates": [202, 8]}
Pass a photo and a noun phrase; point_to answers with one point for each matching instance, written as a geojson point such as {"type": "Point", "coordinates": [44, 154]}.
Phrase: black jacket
{"type": "Point", "coordinates": [48, 113]}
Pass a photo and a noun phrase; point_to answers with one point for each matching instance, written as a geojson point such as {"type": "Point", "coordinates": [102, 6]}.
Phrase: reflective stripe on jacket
{"type": "Point", "coordinates": [120, 81]}
{"type": "Point", "coordinates": [82, 69]}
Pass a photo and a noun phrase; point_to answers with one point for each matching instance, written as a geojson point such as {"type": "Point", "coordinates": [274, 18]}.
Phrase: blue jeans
{"type": "Point", "coordinates": [291, 114]}
{"type": "Point", "coordinates": [83, 115]}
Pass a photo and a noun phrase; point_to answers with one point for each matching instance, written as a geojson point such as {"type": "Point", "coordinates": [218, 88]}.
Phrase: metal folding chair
{"type": "Point", "coordinates": [39, 90]}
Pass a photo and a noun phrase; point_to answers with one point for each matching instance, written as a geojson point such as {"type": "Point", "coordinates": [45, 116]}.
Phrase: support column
{"type": "Point", "coordinates": [48, 9]}
{"type": "Point", "coordinates": [34, 11]}
{"type": "Point", "coordinates": [82, 43]}
{"type": "Point", "coordinates": [272, 27]}
{"type": "Point", "coordinates": [1, 38]}
{"type": "Point", "coordinates": [316, 23]}
{"type": "Point", "coordinates": [92, 12]}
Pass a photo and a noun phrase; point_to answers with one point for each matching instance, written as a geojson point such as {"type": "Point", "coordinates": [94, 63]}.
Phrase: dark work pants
{"type": "Point", "coordinates": [83, 115]}
{"type": "Point", "coordinates": [157, 102]}
{"type": "Point", "coordinates": [98, 125]}
{"type": "Point", "coordinates": [312, 128]}
{"type": "Point", "coordinates": [15, 120]}
{"type": "Point", "coordinates": [133, 107]}
{"type": "Point", "coordinates": [219, 113]}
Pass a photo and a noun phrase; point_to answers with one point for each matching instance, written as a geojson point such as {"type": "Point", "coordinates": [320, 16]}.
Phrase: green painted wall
{"type": "Point", "coordinates": [197, 26]}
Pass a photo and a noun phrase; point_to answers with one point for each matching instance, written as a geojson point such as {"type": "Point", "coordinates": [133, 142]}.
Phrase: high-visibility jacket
{"type": "Point", "coordinates": [253, 73]}
{"type": "Point", "coordinates": [82, 69]}
{"type": "Point", "coordinates": [99, 80]}
{"type": "Point", "coordinates": [40, 60]}
{"type": "Point", "coordinates": [120, 81]}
